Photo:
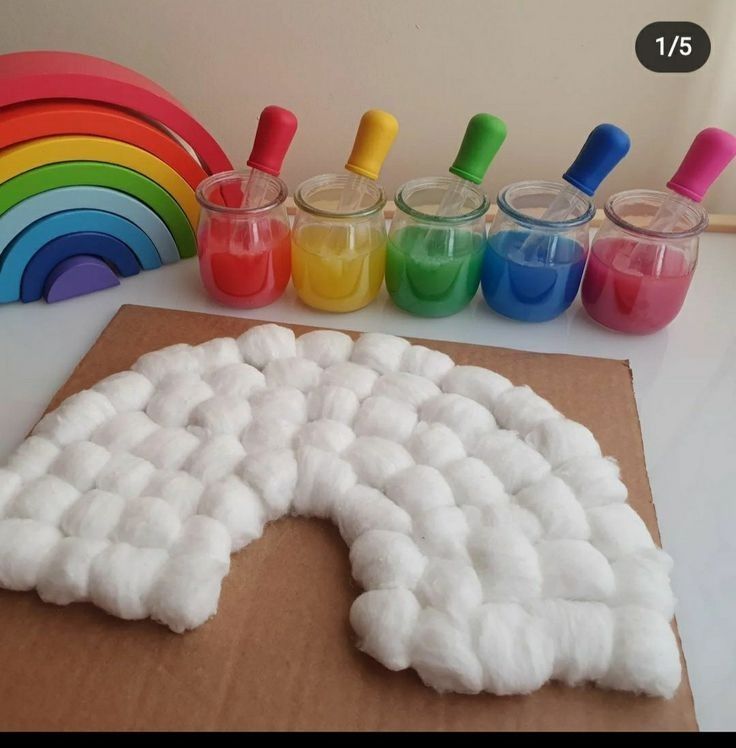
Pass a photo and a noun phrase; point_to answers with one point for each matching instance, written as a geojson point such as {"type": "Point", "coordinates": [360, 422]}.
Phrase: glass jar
{"type": "Point", "coordinates": [338, 257]}
{"type": "Point", "coordinates": [433, 262]}
{"type": "Point", "coordinates": [637, 279]}
{"type": "Point", "coordinates": [243, 241]}
{"type": "Point", "coordinates": [532, 267]}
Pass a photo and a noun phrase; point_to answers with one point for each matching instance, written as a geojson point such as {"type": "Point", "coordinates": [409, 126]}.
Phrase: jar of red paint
{"type": "Point", "coordinates": [637, 278]}
{"type": "Point", "coordinates": [243, 238]}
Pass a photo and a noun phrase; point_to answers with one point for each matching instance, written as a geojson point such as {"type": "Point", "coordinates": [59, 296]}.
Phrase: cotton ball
{"type": "Point", "coordinates": [203, 536]}
{"type": "Point", "coordinates": [419, 488]}
{"type": "Point", "coordinates": [122, 577]}
{"type": "Point", "coordinates": [363, 508]}
{"type": "Point", "coordinates": [125, 474]}
{"type": "Point", "coordinates": [560, 439]}
{"type": "Point", "coordinates": [324, 347]}
{"type": "Point", "coordinates": [334, 403]}
{"type": "Point", "coordinates": [646, 658]}
{"type": "Point", "coordinates": [574, 570]}
{"type": "Point", "coordinates": [582, 633]}
{"type": "Point", "coordinates": [147, 522]}
{"type": "Point", "coordinates": [515, 463]}
{"type": "Point", "coordinates": [441, 654]}
{"type": "Point", "coordinates": [384, 621]}
{"type": "Point", "coordinates": [237, 506]}
{"type": "Point", "coordinates": [216, 458]}
{"type": "Point", "coordinates": [506, 562]}
{"type": "Point", "coordinates": [216, 353]}
{"type": "Point", "coordinates": [265, 434]}
{"type": "Point", "coordinates": [594, 480]}
{"type": "Point", "coordinates": [434, 444]}
{"type": "Point", "coordinates": [127, 391]}
{"type": "Point", "coordinates": [331, 436]}
{"type": "Point", "coordinates": [187, 591]}
{"type": "Point", "coordinates": [175, 397]}
{"type": "Point", "coordinates": [167, 449]}
{"type": "Point", "coordinates": [520, 409]}
{"type": "Point", "coordinates": [425, 362]}
{"type": "Point", "coordinates": [221, 415]}
{"type": "Point", "coordinates": [359, 379]}
{"type": "Point", "coordinates": [94, 515]}
{"type": "Point", "coordinates": [80, 464]}
{"type": "Point", "coordinates": [265, 343]}
{"type": "Point", "coordinates": [45, 499]}
{"type": "Point", "coordinates": [442, 532]}
{"type": "Point", "coordinates": [526, 522]}
{"type": "Point", "coordinates": [178, 489]}
{"type": "Point", "coordinates": [10, 484]}
{"type": "Point", "coordinates": [273, 475]}
{"type": "Point", "coordinates": [33, 458]}
{"type": "Point", "coordinates": [617, 530]}
{"type": "Point", "coordinates": [375, 460]}
{"type": "Point", "coordinates": [643, 579]}
{"type": "Point", "coordinates": [24, 546]}
{"type": "Point", "coordinates": [76, 418]}
{"type": "Point", "coordinates": [323, 480]}
{"type": "Point", "coordinates": [467, 418]}
{"type": "Point", "coordinates": [235, 380]}
{"type": "Point", "coordinates": [554, 503]}
{"type": "Point", "coordinates": [293, 372]}
{"type": "Point", "coordinates": [64, 577]}
{"type": "Point", "coordinates": [171, 360]}
{"type": "Point", "coordinates": [515, 649]}
{"type": "Point", "coordinates": [473, 483]}
{"type": "Point", "coordinates": [379, 351]}
{"type": "Point", "coordinates": [124, 431]}
{"type": "Point", "coordinates": [385, 417]}
{"type": "Point", "coordinates": [477, 383]}
{"type": "Point", "coordinates": [452, 587]}
{"type": "Point", "coordinates": [382, 559]}
{"type": "Point", "coordinates": [280, 404]}
{"type": "Point", "coordinates": [406, 388]}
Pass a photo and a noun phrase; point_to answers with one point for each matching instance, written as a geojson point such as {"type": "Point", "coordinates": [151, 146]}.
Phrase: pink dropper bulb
{"type": "Point", "coordinates": [709, 154]}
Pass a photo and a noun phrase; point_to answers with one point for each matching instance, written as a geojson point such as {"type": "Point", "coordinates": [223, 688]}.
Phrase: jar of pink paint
{"type": "Point", "coordinates": [637, 279]}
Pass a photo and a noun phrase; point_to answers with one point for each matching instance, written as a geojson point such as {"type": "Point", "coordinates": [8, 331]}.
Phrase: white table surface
{"type": "Point", "coordinates": [684, 379]}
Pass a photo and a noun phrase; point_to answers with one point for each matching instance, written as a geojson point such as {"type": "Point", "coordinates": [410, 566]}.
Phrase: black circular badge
{"type": "Point", "coordinates": [673, 46]}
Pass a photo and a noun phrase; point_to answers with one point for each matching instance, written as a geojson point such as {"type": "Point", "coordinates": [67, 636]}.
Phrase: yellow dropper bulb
{"type": "Point", "coordinates": [376, 134]}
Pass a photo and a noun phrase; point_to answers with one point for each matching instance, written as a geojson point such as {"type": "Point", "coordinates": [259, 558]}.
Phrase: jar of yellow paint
{"type": "Point", "coordinates": [338, 255]}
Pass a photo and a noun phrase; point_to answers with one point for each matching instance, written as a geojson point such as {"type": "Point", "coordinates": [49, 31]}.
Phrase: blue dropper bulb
{"type": "Point", "coordinates": [605, 147]}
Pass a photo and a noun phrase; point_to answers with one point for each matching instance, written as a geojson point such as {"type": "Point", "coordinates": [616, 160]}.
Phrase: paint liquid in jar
{"type": "Point", "coordinates": [244, 264]}
{"type": "Point", "coordinates": [634, 288]}
{"type": "Point", "coordinates": [338, 268]}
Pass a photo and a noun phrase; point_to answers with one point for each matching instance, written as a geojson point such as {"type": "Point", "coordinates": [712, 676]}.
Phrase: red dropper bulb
{"type": "Point", "coordinates": [276, 128]}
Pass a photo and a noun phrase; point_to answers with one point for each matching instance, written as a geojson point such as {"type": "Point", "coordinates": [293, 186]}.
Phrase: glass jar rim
{"type": "Point", "coordinates": [610, 210]}
{"type": "Point", "coordinates": [239, 176]}
{"type": "Point", "coordinates": [538, 223]}
{"type": "Point", "coordinates": [471, 215]}
{"type": "Point", "coordinates": [324, 180]}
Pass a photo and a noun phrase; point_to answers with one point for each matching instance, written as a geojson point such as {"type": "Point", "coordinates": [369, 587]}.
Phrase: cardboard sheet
{"type": "Point", "coordinates": [280, 654]}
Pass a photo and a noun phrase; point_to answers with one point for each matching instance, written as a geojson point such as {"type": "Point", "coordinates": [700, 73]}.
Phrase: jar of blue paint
{"type": "Point", "coordinates": [532, 266]}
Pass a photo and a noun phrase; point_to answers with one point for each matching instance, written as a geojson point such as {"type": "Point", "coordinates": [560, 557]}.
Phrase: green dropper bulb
{"type": "Point", "coordinates": [483, 137]}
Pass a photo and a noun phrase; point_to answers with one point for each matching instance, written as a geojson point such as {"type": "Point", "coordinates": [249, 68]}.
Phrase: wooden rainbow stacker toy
{"type": "Point", "coordinates": [98, 168]}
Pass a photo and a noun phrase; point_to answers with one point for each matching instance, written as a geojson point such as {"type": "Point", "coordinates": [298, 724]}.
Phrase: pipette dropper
{"type": "Point", "coordinates": [276, 129]}
{"type": "Point", "coordinates": [483, 137]}
{"type": "Point", "coordinates": [376, 133]}
{"type": "Point", "coordinates": [602, 151]}
{"type": "Point", "coordinates": [709, 154]}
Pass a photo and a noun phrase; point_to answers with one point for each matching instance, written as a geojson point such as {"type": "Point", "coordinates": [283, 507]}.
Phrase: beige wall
{"type": "Point", "coordinates": [551, 68]}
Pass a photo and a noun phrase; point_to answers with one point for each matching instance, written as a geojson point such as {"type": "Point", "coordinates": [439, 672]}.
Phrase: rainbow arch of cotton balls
{"type": "Point", "coordinates": [98, 171]}
{"type": "Point", "coordinates": [493, 541]}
